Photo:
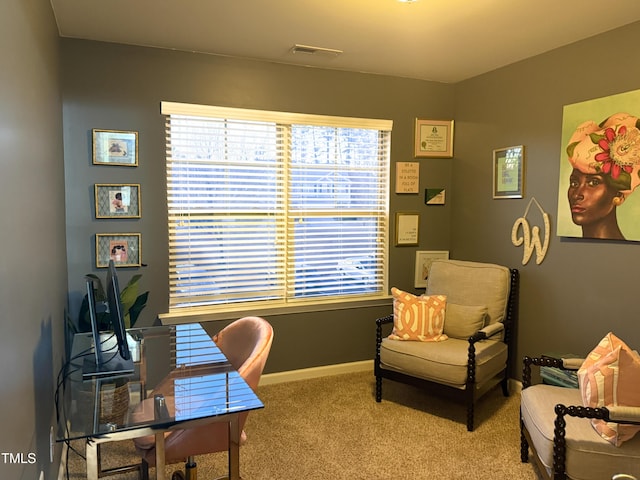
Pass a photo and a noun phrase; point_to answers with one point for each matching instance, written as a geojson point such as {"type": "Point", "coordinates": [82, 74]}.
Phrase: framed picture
{"type": "Point", "coordinates": [407, 177]}
{"type": "Point", "coordinates": [508, 172]}
{"type": "Point", "coordinates": [407, 227]}
{"type": "Point", "coordinates": [434, 138]}
{"type": "Point", "coordinates": [434, 196]}
{"type": "Point", "coordinates": [423, 264]}
{"type": "Point", "coordinates": [117, 200]}
{"type": "Point", "coordinates": [115, 147]}
{"type": "Point", "coordinates": [122, 248]}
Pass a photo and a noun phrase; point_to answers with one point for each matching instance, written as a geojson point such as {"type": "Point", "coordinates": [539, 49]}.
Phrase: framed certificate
{"type": "Point", "coordinates": [434, 138]}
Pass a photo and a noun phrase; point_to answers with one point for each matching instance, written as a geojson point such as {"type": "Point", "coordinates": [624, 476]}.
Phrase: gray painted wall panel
{"type": "Point", "coordinates": [33, 269]}
{"type": "Point", "coordinates": [584, 288]}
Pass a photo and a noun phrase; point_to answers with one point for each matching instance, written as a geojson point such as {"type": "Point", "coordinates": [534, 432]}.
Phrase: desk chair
{"type": "Point", "coordinates": [246, 344]}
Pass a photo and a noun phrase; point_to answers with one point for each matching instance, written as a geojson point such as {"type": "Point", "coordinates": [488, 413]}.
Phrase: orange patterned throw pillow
{"type": "Point", "coordinates": [418, 318]}
{"type": "Point", "coordinates": [610, 376]}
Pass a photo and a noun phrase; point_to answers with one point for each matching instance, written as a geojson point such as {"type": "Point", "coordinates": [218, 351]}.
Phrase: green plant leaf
{"type": "Point", "coordinates": [137, 307]}
{"type": "Point", "coordinates": [129, 294]}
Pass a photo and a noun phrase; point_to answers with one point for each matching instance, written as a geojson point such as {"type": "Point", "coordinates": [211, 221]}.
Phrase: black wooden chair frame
{"type": "Point", "coordinates": [470, 392]}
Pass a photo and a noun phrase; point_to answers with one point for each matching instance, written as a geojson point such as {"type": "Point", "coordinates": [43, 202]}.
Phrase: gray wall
{"type": "Point", "coordinates": [33, 269]}
{"type": "Point", "coordinates": [120, 87]}
{"type": "Point", "coordinates": [584, 288]}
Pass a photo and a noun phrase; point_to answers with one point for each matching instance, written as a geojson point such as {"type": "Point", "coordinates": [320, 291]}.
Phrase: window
{"type": "Point", "coordinates": [275, 208]}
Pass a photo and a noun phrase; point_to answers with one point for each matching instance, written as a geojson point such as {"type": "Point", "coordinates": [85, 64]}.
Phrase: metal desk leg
{"type": "Point", "coordinates": [234, 448]}
{"type": "Point", "coordinates": [160, 456]}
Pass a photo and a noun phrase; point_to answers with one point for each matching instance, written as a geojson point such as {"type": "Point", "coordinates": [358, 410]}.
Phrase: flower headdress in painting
{"type": "Point", "coordinates": [611, 148]}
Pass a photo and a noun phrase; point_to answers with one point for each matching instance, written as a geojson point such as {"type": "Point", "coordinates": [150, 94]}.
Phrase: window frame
{"type": "Point", "coordinates": [298, 304]}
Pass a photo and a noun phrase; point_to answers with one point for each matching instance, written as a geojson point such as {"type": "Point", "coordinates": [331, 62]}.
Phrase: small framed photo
{"type": "Point", "coordinates": [433, 138]}
{"type": "Point", "coordinates": [115, 147]}
{"type": "Point", "coordinates": [407, 228]}
{"type": "Point", "coordinates": [508, 172]}
{"type": "Point", "coordinates": [123, 248]}
{"type": "Point", "coordinates": [117, 200]}
{"type": "Point", "coordinates": [423, 264]}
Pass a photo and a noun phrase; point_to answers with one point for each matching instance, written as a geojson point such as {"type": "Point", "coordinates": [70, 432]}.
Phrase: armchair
{"type": "Point", "coordinates": [482, 304]}
{"type": "Point", "coordinates": [557, 429]}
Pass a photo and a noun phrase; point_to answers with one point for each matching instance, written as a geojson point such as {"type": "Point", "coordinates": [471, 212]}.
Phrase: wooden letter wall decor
{"type": "Point", "coordinates": [531, 236]}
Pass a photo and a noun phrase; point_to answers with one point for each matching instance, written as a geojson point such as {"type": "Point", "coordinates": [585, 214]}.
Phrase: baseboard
{"type": "Point", "coordinates": [515, 386]}
{"type": "Point", "coordinates": [316, 372]}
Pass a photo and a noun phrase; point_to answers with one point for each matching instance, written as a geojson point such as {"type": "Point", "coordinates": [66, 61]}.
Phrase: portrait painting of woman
{"type": "Point", "coordinates": [600, 170]}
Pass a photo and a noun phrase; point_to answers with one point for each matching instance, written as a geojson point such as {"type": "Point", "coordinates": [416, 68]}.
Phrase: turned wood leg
{"type": "Point", "coordinates": [378, 389]}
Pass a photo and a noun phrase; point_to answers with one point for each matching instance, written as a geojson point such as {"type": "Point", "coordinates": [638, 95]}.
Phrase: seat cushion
{"type": "Point", "coordinates": [588, 455]}
{"type": "Point", "coordinates": [444, 362]}
{"type": "Point", "coordinates": [610, 376]}
{"type": "Point", "coordinates": [472, 283]}
{"type": "Point", "coordinates": [418, 318]}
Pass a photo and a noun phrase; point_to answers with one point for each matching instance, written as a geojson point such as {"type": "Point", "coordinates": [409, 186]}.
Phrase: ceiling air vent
{"type": "Point", "coordinates": [309, 50]}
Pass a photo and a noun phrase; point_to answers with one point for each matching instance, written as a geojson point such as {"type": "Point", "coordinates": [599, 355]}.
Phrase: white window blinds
{"type": "Point", "coordinates": [274, 207]}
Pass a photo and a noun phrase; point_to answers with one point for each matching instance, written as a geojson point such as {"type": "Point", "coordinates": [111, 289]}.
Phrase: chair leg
{"type": "Point", "coordinates": [144, 470]}
{"type": "Point", "coordinates": [505, 387]}
{"type": "Point", "coordinates": [378, 388]}
{"type": "Point", "coordinates": [470, 417]}
{"type": "Point", "coordinates": [524, 445]}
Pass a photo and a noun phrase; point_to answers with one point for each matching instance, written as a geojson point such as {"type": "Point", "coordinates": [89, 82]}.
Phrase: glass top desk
{"type": "Point", "coordinates": [190, 367]}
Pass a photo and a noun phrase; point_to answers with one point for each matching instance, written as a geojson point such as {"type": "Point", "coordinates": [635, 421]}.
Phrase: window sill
{"type": "Point", "coordinates": [201, 315]}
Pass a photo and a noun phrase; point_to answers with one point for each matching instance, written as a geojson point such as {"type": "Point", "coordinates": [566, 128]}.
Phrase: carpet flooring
{"type": "Point", "coordinates": [332, 428]}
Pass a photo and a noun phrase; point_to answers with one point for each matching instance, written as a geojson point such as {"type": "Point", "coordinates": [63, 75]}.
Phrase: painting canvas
{"type": "Point", "coordinates": [600, 169]}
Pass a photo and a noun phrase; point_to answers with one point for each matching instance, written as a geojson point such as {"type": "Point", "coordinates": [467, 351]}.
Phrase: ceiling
{"type": "Point", "coordinates": [440, 40]}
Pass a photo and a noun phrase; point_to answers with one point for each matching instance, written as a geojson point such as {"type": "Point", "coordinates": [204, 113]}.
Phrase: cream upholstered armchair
{"type": "Point", "coordinates": [569, 439]}
{"type": "Point", "coordinates": [481, 305]}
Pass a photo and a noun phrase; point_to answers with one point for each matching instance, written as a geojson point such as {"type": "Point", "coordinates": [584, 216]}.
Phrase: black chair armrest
{"type": "Point", "coordinates": [624, 415]}
{"type": "Point", "coordinates": [384, 320]}
{"type": "Point", "coordinates": [379, 323]}
{"type": "Point", "coordinates": [545, 361]}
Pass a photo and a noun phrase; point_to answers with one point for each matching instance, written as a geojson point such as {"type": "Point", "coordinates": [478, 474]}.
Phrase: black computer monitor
{"type": "Point", "coordinates": [107, 361]}
{"type": "Point", "coordinates": [115, 311]}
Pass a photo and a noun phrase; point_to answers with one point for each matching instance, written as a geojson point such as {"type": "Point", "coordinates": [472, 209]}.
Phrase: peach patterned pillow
{"type": "Point", "coordinates": [610, 376]}
{"type": "Point", "coordinates": [418, 318]}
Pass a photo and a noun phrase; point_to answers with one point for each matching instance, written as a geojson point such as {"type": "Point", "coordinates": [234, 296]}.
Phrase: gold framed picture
{"type": "Point", "coordinates": [115, 147]}
{"type": "Point", "coordinates": [114, 200]}
{"type": "Point", "coordinates": [123, 248]}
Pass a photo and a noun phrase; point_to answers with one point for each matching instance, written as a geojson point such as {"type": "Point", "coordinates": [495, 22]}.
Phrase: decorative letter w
{"type": "Point", "coordinates": [531, 236]}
